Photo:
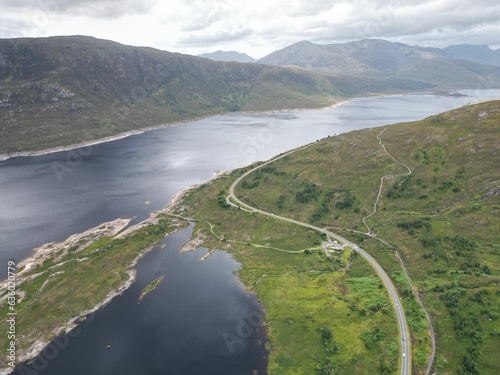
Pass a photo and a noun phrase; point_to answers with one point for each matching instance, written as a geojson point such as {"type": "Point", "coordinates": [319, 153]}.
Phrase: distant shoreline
{"type": "Point", "coordinates": [7, 156]}
{"type": "Point", "coordinates": [111, 138]}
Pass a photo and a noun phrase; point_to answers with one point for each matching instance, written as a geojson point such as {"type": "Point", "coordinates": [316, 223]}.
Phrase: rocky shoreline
{"type": "Point", "coordinates": [52, 150]}
{"type": "Point", "coordinates": [117, 228]}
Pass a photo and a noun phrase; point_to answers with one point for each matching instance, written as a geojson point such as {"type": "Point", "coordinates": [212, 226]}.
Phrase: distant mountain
{"type": "Point", "coordinates": [379, 59]}
{"type": "Point", "coordinates": [482, 54]}
{"type": "Point", "coordinates": [64, 90]}
{"type": "Point", "coordinates": [228, 56]}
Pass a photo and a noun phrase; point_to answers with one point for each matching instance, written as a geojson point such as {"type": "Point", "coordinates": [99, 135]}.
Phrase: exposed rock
{"type": "Point", "coordinates": [490, 194]}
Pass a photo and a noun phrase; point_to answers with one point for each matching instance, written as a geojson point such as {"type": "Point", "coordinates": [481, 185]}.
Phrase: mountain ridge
{"type": "Point", "coordinates": [475, 53]}
{"type": "Point", "coordinates": [228, 56]}
{"type": "Point", "coordinates": [376, 57]}
{"type": "Point", "coordinates": [59, 91]}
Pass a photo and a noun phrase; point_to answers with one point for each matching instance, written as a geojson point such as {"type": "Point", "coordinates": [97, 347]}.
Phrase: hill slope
{"type": "Point", "coordinates": [387, 61]}
{"type": "Point", "coordinates": [440, 220]}
{"type": "Point", "coordinates": [63, 90]}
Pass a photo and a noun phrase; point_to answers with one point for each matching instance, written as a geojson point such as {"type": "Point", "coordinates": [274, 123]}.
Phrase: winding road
{"type": "Point", "coordinates": [404, 336]}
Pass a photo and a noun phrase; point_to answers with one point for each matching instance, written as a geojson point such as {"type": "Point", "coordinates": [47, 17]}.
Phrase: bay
{"type": "Point", "coordinates": [199, 320]}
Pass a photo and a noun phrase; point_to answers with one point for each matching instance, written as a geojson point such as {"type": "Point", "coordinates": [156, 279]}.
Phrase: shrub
{"type": "Point", "coordinates": [310, 192]}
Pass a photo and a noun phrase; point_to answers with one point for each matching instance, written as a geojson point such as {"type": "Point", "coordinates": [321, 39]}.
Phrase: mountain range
{"type": "Point", "coordinates": [456, 67]}
{"type": "Point", "coordinates": [59, 91]}
{"type": "Point", "coordinates": [228, 56]}
{"type": "Point", "coordinates": [481, 54]}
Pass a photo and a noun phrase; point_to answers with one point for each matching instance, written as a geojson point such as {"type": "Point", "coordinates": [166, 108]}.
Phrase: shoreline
{"type": "Point", "coordinates": [65, 328]}
{"type": "Point", "coordinates": [111, 138]}
{"type": "Point", "coordinates": [117, 228]}
{"type": "Point", "coordinates": [57, 250]}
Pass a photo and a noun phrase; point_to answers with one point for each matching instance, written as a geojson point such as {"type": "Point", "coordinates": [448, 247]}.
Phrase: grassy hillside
{"type": "Point", "coordinates": [322, 314]}
{"type": "Point", "coordinates": [63, 90]}
{"type": "Point", "coordinates": [441, 219]}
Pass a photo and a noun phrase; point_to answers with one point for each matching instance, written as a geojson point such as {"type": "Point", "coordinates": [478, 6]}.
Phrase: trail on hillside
{"type": "Point", "coordinates": [371, 233]}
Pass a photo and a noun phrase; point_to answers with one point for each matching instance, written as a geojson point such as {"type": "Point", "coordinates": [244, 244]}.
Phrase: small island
{"type": "Point", "coordinates": [150, 287]}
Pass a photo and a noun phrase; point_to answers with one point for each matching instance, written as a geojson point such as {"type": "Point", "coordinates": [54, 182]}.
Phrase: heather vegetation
{"type": "Point", "coordinates": [440, 220]}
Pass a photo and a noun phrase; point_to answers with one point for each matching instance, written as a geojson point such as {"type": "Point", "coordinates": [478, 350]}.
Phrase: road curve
{"type": "Point", "coordinates": [404, 336]}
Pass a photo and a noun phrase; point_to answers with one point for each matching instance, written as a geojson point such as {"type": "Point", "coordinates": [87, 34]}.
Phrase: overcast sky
{"type": "Point", "coordinates": [256, 27]}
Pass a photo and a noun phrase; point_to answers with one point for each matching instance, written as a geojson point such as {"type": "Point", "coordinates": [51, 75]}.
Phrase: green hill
{"type": "Point", "coordinates": [442, 220]}
{"type": "Point", "coordinates": [64, 90]}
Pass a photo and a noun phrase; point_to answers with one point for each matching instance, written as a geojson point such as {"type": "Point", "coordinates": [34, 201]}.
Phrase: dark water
{"type": "Point", "coordinates": [192, 323]}
{"type": "Point", "coordinates": [179, 328]}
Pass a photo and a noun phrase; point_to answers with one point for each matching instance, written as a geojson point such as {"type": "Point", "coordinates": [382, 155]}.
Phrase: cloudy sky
{"type": "Point", "coordinates": [255, 27]}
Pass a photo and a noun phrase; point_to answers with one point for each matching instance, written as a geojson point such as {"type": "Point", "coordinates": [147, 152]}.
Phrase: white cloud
{"type": "Point", "coordinates": [109, 9]}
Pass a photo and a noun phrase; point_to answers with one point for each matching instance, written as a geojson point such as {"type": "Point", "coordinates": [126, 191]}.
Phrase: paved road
{"type": "Point", "coordinates": [404, 337]}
